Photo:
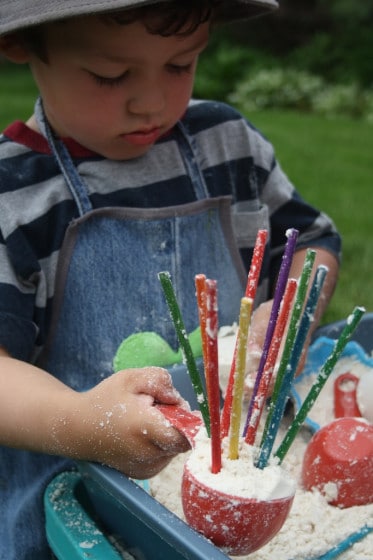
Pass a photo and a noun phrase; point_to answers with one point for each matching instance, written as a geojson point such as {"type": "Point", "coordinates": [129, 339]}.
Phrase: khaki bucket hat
{"type": "Point", "coordinates": [18, 14]}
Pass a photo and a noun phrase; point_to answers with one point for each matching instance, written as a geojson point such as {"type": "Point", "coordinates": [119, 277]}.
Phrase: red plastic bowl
{"type": "Point", "coordinates": [235, 524]}
{"type": "Point", "coordinates": [341, 453]}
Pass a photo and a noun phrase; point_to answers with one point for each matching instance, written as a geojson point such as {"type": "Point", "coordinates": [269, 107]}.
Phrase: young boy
{"type": "Point", "coordinates": [115, 177]}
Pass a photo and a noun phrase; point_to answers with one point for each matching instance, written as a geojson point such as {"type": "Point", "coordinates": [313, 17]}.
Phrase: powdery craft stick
{"type": "Point", "coordinates": [212, 373]}
{"type": "Point", "coordinates": [251, 288]}
{"type": "Point", "coordinates": [287, 258]}
{"type": "Point", "coordinates": [351, 324]}
{"type": "Point", "coordinates": [165, 279]}
{"type": "Point", "coordinates": [244, 323]}
{"type": "Point", "coordinates": [269, 367]}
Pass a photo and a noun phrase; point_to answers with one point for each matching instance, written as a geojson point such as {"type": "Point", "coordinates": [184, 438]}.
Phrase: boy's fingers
{"type": "Point", "coordinates": [153, 381]}
{"type": "Point", "coordinates": [166, 437]}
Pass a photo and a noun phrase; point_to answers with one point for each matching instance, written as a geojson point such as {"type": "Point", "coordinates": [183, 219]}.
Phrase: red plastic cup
{"type": "Point", "coordinates": [339, 462]}
{"type": "Point", "coordinates": [235, 524]}
{"type": "Point", "coordinates": [345, 403]}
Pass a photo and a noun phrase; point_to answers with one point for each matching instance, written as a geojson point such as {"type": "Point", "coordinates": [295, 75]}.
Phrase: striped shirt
{"type": "Point", "coordinates": [36, 205]}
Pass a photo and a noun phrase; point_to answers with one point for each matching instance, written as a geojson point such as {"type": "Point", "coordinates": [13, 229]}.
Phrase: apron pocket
{"type": "Point", "coordinates": [246, 223]}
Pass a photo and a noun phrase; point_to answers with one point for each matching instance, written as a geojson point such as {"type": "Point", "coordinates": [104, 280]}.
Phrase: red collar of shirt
{"type": "Point", "coordinates": [19, 132]}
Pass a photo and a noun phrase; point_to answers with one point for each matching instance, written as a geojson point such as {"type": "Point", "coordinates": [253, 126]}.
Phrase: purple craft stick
{"type": "Point", "coordinates": [292, 235]}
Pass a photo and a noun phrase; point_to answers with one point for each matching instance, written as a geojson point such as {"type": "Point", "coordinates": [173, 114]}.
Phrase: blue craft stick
{"type": "Point", "coordinates": [308, 316]}
{"type": "Point", "coordinates": [345, 544]}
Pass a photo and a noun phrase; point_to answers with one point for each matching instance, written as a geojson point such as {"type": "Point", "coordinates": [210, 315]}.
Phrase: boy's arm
{"type": "Point", "coordinates": [115, 423]}
{"type": "Point", "coordinates": [26, 395]}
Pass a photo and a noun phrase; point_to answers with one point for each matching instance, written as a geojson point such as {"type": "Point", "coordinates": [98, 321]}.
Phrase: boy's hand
{"type": "Point", "coordinates": [116, 422]}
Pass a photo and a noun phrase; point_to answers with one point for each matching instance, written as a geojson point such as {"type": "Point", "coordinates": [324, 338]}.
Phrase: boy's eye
{"type": "Point", "coordinates": [180, 68]}
{"type": "Point", "coordinates": [118, 80]}
{"type": "Point", "coordinates": [112, 82]}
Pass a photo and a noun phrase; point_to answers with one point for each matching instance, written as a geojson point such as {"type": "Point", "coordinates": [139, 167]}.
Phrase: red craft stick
{"type": "Point", "coordinates": [260, 397]}
{"type": "Point", "coordinates": [251, 287]}
{"type": "Point", "coordinates": [256, 264]}
{"type": "Point", "coordinates": [212, 373]}
{"type": "Point", "coordinates": [200, 283]}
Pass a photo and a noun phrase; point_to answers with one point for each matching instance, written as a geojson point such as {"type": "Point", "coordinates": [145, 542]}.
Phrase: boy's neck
{"type": "Point", "coordinates": [32, 123]}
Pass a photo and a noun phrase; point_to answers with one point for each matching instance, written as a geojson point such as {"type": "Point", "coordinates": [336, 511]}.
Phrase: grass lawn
{"type": "Point", "coordinates": [330, 161]}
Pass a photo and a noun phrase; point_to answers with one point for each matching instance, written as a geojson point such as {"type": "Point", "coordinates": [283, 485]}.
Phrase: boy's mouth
{"type": "Point", "coordinates": [142, 137]}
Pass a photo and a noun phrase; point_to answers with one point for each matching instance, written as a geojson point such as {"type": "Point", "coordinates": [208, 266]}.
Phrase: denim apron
{"type": "Point", "coordinates": [107, 288]}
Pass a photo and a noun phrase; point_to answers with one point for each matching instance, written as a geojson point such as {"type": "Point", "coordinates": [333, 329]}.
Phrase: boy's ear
{"type": "Point", "coordinates": [13, 49]}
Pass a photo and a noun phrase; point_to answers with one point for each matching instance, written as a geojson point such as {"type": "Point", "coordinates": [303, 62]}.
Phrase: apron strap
{"type": "Point", "coordinates": [191, 165]}
{"type": "Point", "coordinates": [74, 181]}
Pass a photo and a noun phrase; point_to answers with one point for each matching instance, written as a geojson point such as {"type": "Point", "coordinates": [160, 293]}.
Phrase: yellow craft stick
{"type": "Point", "coordinates": [239, 377]}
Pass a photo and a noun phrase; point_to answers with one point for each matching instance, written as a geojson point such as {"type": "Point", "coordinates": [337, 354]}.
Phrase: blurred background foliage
{"type": "Point", "coordinates": [310, 55]}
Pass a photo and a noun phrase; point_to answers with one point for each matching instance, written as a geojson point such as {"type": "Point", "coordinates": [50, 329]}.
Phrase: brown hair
{"type": "Point", "coordinates": [176, 17]}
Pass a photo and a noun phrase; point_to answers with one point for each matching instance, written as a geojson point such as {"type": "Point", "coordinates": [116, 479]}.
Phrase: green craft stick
{"type": "Point", "coordinates": [165, 279]}
{"type": "Point", "coordinates": [351, 324]}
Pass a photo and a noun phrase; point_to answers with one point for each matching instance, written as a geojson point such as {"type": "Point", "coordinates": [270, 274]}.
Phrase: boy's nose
{"type": "Point", "coordinates": [150, 100]}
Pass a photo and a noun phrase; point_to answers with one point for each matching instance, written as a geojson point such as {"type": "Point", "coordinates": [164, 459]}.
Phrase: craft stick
{"type": "Point", "coordinates": [287, 258]}
{"type": "Point", "coordinates": [212, 373]}
{"type": "Point", "coordinates": [307, 318]}
{"type": "Point", "coordinates": [244, 323]}
{"type": "Point", "coordinates": [284, 374]}
{"type": "Point", "coordinates": [200, 283]}
{"type": "Point", "coordinates": [269, 367]}
{"type": "Point", "coordinates": [345, 544]}
{"type": "Point", "coordinates": [351, 324]}
{"type": "Point", "coordinates": [256, 264]}
{"type": "Point", "coordinates": [165, 279]}
{"type": "Point", "coordinates": [250, 292]}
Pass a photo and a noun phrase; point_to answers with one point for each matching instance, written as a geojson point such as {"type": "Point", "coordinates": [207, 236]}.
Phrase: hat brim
{"type": "Point", "coordinates": [20, 14]}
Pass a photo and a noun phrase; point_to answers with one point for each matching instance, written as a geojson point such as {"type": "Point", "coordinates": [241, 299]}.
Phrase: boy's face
{"type": "Point", "coordinates": [115, 88]}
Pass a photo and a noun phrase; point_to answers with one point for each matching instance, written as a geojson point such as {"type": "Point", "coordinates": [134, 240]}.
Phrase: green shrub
{"type": "Point", "coordinates": [346, 100]}
{"type": "Point", "coordinates": [277, 88]}
{"type": "Point", "coordinates": [288, 88]}
{"type": "Point", "coordinates": [223, 65]}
